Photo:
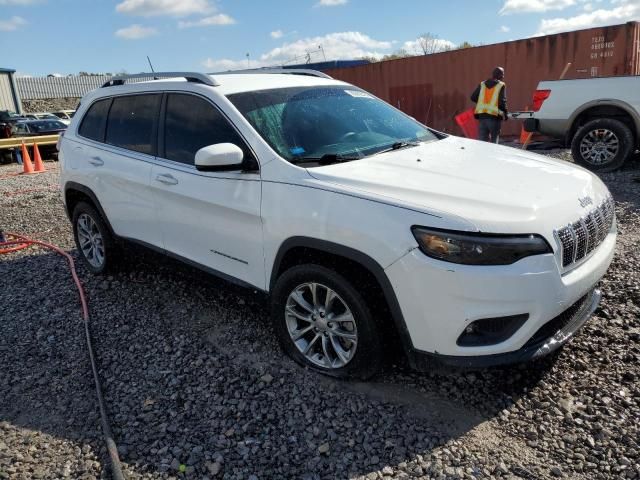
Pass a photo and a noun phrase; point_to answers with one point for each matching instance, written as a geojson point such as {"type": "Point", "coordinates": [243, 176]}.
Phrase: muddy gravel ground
{"type": "Point", "coordinates": [196, 386]}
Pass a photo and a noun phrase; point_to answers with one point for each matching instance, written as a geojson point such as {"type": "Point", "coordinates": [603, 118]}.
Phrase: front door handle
{"type": "Point", "coordinates": [167, 179]}
{"type": "Point", "coordinates": [96, 161]}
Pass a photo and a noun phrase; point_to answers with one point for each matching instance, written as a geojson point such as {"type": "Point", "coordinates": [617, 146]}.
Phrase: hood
{"type": "Point", "coordinates": [498, 189]}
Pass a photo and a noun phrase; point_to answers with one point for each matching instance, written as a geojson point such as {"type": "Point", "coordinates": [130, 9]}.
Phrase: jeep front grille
{"type": "Point", "coordinates": [579, 239]}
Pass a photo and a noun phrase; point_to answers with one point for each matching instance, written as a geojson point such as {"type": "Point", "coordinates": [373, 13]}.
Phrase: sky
{"type": "Point", "coordinates": [40, 37]}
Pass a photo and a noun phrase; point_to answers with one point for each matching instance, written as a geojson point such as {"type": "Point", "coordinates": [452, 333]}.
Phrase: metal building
{"type": "Point", "coordinates": [9, 98]}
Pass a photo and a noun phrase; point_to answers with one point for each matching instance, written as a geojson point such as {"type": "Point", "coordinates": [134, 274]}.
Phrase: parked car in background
{"type": "Point", "coordinates": [30, 128]}
{"type": "Point", "coordinates": [357, 220]}
{"type": "Point", "coordinates": [8, 117]}
{"type": "Point", "coordinates": [41, 116]}
{"type": "Point", "coordinates": [598, 118]}
{"type": "Point", "coordinates": [33, 128]}
{"type": "Point", "coordinates": [64, 115]}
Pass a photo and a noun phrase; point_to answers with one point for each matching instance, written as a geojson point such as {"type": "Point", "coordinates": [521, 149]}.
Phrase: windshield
{"type": "Point", "coordinates": [46, 125]}
{"type": "Point", "coordinates": [317, 123]}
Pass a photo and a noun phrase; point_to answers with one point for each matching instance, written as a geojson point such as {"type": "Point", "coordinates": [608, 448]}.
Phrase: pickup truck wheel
{"type": "Point", "coordinates": [92, 237]}
{"type": "Point", "coordinates": [324, 323]}
{"type": "Point", "coordinates": [602, 145]}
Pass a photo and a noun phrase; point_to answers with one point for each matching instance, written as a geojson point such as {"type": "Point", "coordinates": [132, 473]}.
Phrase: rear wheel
{"type": "Point", "coordinates": [602, 145]}
{"type": "Point", "coordinates": [94, 242]}
{"type": "Point", "coordinates": [324, 323]}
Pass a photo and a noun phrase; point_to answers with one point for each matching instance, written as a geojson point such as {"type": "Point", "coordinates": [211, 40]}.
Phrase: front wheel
{"type": "Point", "coordinates": [324, 323]}
{"type": "Point", "coordinates": [602, 145]}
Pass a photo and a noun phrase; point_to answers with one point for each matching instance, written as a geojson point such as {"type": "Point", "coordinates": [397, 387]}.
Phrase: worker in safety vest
{"type": "Point", "coordinates": [490, 98]}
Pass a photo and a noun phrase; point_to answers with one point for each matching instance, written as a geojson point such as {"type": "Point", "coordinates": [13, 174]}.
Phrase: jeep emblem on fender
{"type": "Point", "coordinates": [585, 201]}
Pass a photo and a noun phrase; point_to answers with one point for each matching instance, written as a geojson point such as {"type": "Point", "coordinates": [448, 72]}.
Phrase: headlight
{"type": "Point", "coordinates": [478, 248]}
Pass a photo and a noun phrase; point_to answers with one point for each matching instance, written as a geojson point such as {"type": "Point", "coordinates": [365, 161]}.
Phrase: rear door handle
{"type": "Point", "coordinates": [167, 179]}
{"type": "Point", "coordinates": [96, 161]}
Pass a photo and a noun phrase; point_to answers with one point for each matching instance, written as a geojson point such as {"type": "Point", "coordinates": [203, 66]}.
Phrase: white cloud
{"type": "Point", "coordinates": [176, 8]}
{"type": "Point", "coordinates": [135, 32]}
{"type": "Point", "coordinates": [14, 23]}
{"type": "Point", "coordinates": [336, 46]}
{"type": "Point", "coordinates": [538, 6]}
{"type": "Point", "coordinates": [627, 11]}
{"type": "Point", "coordinates": [413, 46]}
{"type": "Point", "coordinates": [505, 29]}
{"type": "Point", "coordinates": [219, 19]}
{"type": "Point", "coordinates": [330, 3]}
{"type": "Point", "coordinates": [276, 34]}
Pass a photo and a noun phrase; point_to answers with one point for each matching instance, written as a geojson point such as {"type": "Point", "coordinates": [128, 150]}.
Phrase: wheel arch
{"type": "Point", "coordinates": [74, 193]}
{"type": "Point", "coordinates": [300, 250]}
{"type": "Point", "coordinates": [614, 109]}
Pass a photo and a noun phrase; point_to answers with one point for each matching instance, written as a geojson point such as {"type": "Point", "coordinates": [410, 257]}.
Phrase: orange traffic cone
{"type": "Point", "coordinates": [37, 159]}
{"type": "Point", "coordinates": [525, 136]}
{"type": "Point", "coordinates": [26, 160]}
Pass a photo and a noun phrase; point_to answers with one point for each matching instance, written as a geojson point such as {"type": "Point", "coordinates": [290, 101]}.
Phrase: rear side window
{"type": "Point", "coordinates": [192, 123]}
{"type": "Point", "coordinates": [132, 122]}
{"type": "Point", "coordinates": [94, 121]}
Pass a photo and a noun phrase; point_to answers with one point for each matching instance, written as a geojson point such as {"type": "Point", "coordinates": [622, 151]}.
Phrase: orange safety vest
{"type": "Point", "coordinates": [488, 100]}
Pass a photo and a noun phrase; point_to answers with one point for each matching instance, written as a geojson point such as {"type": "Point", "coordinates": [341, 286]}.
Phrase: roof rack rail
{"type": "Point", "coordinates": [189, 76]}
{"type": "Point", "coordinates": [289, 71]}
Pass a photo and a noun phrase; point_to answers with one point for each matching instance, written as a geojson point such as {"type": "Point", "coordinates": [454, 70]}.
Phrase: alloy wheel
{"type": "Point", "coordinates": [321, 325]}
{"type": "Point", "coordinates": [90, 240]}
{"type": "Point", "coordinates": [599, 146]}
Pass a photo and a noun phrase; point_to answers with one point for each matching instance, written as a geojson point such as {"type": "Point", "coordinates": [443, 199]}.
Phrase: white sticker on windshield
{"type": "Point", "coordinates": [357, 93]}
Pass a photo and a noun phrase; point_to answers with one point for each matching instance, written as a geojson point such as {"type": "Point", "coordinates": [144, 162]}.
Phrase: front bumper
{"type": "Point", "coordinates": [440, 300]}
{"type": "Point", "coordinates": [554, 128]}
{"type": "Point", "coordinates": [550, 337]}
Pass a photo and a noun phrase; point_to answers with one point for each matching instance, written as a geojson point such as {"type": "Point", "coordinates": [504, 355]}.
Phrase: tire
{"type": "Point", "coordinates": [344, 359]}
{"type": "Point", "coordinates": [6, 157]}
{"type": "Point", "coordinates": [602, 145]}
{"type": "Point", "coordinates": [86, 219]}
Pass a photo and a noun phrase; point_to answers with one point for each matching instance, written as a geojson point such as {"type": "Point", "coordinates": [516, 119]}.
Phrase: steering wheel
{"type": "Point", "coordinates": [347, 136]}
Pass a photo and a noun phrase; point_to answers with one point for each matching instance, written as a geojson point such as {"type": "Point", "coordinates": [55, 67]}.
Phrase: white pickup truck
{"type": "Point", "coordinates": [599, 118]}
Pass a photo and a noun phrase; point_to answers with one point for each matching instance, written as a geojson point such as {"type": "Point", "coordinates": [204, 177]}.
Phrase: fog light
{"type": "Point", "coordinates": [491, 331]}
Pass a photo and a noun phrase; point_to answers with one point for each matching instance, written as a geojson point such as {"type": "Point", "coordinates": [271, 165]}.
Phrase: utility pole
{"type": "Point", "coordinates": [248, 65]}
{"type": "Point", "coordinates": [323, 55]}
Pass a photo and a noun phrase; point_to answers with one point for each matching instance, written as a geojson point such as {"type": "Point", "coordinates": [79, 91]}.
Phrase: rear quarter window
{"type": "Point", "coordinates": [94, 122]}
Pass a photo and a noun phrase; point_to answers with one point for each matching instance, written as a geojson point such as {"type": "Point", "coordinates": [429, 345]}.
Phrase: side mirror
{"type": "Point", "coordinates": [221, 157]}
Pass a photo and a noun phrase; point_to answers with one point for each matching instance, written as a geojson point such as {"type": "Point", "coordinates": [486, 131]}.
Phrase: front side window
{"type": "Point", "coordinates": [192, 123]}
{"type": "Point", "coordinates": [94, 121]}
{"type": "Point", "coordinates": [316, 123]}
{"type": "Point", "coordinates": [132, 122]}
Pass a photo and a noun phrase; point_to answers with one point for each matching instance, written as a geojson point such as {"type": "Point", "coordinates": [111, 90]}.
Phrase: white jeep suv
{"type": "Point", "coordinates": [361, 223]}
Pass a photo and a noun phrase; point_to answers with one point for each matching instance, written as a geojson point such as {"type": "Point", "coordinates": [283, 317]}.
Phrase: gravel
{"type": "Point", "coordinates": [196, 386]}
{"type": "Point", "coordinates": [50, 104]}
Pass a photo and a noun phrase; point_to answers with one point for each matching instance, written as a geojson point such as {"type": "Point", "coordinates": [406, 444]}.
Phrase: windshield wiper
{"type": "Point", "coordinates": [326, 159]}
{"type": "Point", "coordinates": [398, 146]}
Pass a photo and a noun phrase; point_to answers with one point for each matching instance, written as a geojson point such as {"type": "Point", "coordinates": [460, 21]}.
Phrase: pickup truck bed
{"type": "Point", "coordinates": [599, 118]}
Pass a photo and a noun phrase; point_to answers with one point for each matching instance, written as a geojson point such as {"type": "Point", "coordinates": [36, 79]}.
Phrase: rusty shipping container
{"type": "Point", "coordinates": [435, 88]}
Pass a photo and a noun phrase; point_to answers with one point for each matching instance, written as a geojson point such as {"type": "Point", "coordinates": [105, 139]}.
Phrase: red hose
{"type": "Point", "coordinates": [24, 242]}
{"type": "Point", "coordinates": [16, 245]}
{"type": "Point", "coordinates": [20, 243]}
